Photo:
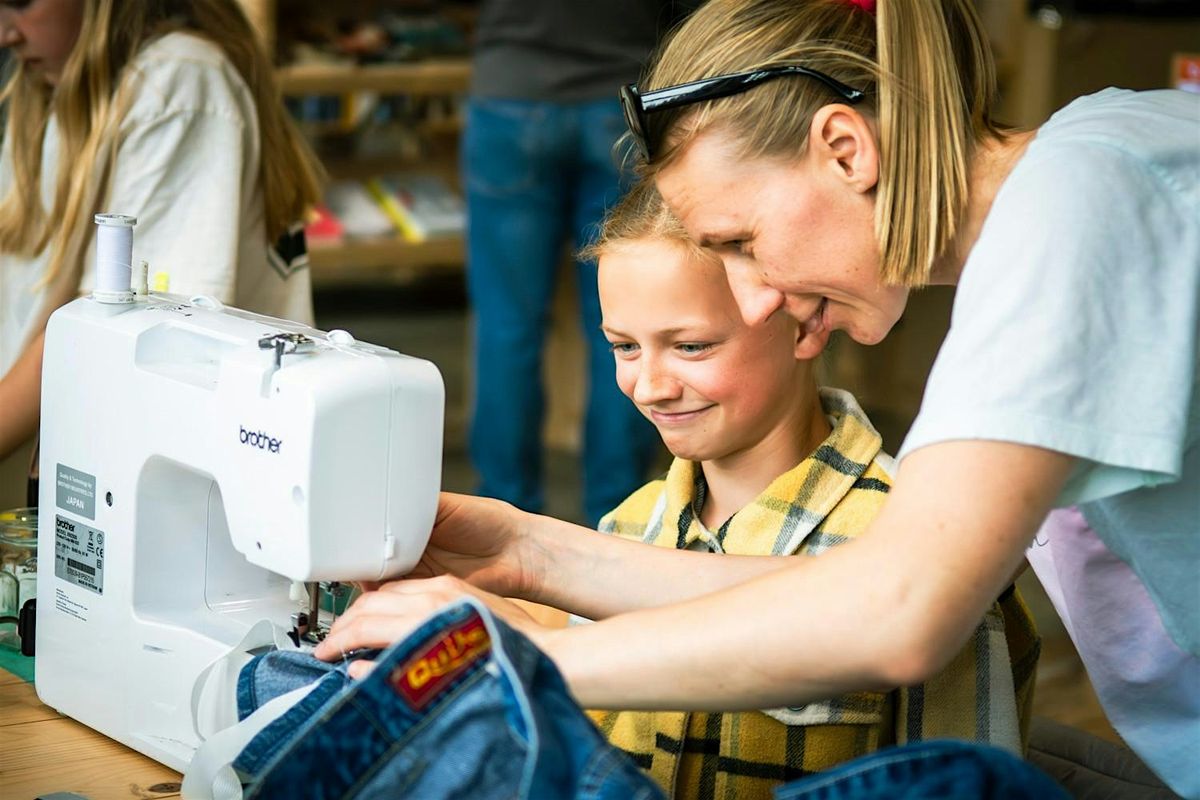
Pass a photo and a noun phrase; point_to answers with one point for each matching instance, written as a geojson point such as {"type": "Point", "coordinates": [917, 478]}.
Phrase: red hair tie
{"type": "Point", "coordinates": [866, 5]}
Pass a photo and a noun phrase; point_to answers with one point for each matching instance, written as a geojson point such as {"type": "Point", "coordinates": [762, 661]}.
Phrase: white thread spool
{"type": "Point", "coordinates": [114, 258]}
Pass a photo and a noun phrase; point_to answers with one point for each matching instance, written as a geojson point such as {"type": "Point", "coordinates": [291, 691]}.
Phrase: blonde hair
{"type": "Point", "coordinates": [642, 215]}
{"type": "Point", "coordinates": [93, 94]}
{"type": "Point", "coordinates": [929, 80]}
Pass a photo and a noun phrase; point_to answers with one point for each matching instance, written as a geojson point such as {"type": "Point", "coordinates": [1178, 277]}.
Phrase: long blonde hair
{"type": "Point", "coordinates": [92, 95]}
{"type": "Point", "coordinates": [930, 84]}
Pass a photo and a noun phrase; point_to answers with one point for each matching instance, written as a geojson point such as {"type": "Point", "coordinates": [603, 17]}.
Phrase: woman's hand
{"type": "Point", "coordinates": [388, 614]}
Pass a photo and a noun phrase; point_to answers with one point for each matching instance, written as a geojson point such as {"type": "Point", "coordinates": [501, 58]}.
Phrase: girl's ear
{"type": "Point", "coordinates": [842, 140]}
{"type": "Point", "coordinates": [810, 345]}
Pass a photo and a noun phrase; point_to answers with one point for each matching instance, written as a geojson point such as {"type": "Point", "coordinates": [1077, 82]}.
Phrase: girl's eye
{"type": "Point", "coordinates": [694, 348]}
{"type": "Point", "coordinates": [623, 348]}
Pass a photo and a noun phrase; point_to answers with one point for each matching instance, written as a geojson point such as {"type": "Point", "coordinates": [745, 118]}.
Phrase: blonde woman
{"type": "Point", "coordinates": [163, 109]}
{"type": "Point", "coordinates": [837, 154]}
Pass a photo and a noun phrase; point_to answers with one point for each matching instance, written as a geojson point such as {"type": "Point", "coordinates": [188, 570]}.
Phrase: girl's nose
{"type": "Point", "coordinates": [756, 300]}
{"type": "Point", "coordinates": [654, 384]}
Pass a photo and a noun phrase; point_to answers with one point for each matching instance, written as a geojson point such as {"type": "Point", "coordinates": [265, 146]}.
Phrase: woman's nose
{"type": "Point", "coordinates": [9, 35]}
{"type": "Point", "coordinates": [756, 300]}
{"type": "Point", "coordinates": [654, 384]}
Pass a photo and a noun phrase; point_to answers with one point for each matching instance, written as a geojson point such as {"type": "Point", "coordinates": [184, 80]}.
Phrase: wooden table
{"type": "Point", "coordinates": [42, 752]}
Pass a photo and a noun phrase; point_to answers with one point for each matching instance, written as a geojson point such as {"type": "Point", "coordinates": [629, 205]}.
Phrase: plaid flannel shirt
{"type": "Point", "coordinates": [829, 498]}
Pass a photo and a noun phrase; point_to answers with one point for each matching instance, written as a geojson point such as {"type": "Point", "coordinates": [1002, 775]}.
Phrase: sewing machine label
{"type": "Point", "coordinates": [75, 491]}
{"type": "Point", "coordinates": [79, 554]}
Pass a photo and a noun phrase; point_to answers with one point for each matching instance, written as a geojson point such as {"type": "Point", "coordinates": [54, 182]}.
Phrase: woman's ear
{"type": "Point", "coordinates": [810, 344]}
{"type": "Point", "coordinates": [842, 140]}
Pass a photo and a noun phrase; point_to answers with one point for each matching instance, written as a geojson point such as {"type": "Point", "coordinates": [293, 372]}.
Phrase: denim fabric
{"type": "Point", "coordinates": [277, 673]}
{"type": "Point", "coordinates": [495, 722]}
{"type": "Point", "coordinates": [539, 176]}
{"type": "Point", "coordinates": [935, 770]}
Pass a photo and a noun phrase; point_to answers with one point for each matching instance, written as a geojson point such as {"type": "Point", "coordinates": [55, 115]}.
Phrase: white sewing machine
{"type": "Point", "coordinates": [195, 460]}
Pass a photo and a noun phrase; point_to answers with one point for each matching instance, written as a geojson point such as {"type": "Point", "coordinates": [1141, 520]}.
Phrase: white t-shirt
{"type": "Point", "coordinates": [188, 168]}
{"type": "Point", "coordinates": [1076, 327]}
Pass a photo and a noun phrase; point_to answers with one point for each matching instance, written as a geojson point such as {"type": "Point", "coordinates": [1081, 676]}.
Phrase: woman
{"type": "Point", "coordinates": [845, 155]}
{"type": "Point", "coordinates": [163, 109]}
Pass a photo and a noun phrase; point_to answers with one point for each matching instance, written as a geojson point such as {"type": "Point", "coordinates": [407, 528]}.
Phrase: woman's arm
{"type": "Point", "coordinates": [891, 608]}
{"type": "Point", "coordinates": [21, 398]}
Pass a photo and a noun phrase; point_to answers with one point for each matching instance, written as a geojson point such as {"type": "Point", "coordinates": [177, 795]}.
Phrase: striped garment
{"type": "Point", "coordinates": [826, 500]}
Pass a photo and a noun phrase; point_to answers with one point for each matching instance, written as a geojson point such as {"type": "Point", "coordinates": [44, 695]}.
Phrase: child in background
{"type": "Point", "coordinates": [166, 110]}
{"type": "Point", "coordinates": [766, 464]}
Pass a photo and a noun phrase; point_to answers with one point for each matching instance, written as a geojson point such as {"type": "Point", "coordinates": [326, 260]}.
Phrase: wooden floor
{"type": "Point", "coordinates": [1064, 692]}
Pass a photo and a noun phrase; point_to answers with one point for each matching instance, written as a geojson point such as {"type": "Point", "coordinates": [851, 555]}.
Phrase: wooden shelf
{"type": "Point", "coordinates": [432, 77]}
{"type": "Point", "coordinates": [390, 260]}
{"type": "Point", "coordinates": [360, 168]}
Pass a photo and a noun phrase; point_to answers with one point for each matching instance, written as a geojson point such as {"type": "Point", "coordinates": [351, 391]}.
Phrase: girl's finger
{"type": "Point", "coordinates": [360, 669]}
{"type": "Point", "coordinates": [365, 630]}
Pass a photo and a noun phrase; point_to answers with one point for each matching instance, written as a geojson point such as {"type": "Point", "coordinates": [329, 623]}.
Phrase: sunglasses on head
{"type": "Point", "coordinates": [638, 106]}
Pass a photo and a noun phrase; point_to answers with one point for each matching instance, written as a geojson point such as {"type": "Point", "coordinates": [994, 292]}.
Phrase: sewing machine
{"type": "Point", "coordinates": [196, 460]}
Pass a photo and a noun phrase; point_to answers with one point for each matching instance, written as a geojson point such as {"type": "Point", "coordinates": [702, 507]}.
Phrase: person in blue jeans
{"type": "Point", "coordinates": [540, 169]}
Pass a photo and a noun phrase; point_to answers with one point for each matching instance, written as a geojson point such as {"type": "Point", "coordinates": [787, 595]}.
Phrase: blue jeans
{"type": "Point", "coordinates": [934, 770]}
{"type": "Point", "coordinates": [464, 707]}
{"type": "Point", "coordinates": [540, 176]}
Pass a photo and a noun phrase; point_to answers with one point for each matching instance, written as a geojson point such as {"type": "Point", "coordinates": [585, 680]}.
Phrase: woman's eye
{"type": "Point", "coordinates": [694, 348]}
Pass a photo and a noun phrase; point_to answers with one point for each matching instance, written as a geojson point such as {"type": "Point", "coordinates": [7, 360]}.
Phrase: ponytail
{"type": "Point", "coordinates": [934, 103]}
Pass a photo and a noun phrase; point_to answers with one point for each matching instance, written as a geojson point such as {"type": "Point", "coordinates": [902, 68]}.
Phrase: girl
{"type": "Point", "coordinates": [163, 109]}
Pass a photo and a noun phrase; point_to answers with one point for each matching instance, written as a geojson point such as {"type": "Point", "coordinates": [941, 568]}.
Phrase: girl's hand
{"type": "Point", "coordinates": [479, 540]}
{"type": "Point", "coordinates": [388, 614]}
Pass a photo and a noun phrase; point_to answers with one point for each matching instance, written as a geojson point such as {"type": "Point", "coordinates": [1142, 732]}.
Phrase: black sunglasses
{"type": "Point", "coordinates": [638, 106]}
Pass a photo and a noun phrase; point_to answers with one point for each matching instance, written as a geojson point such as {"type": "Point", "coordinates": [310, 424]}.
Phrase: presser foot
{"type": "Point", "coordinates": [307, 628]}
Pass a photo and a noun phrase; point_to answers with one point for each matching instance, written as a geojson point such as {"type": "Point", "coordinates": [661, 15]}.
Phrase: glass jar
{"type": "Point", "coordinates": [18, 568]}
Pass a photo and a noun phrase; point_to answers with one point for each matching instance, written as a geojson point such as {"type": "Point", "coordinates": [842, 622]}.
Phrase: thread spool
{"type": "Point", "coordinates": [114, 258]}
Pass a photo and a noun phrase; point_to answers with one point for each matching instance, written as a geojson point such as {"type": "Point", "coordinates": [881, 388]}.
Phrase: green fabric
{"type": "Point", "coordinates": [19, 665]}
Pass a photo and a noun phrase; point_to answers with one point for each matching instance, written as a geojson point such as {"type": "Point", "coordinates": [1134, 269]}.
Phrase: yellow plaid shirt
{"type": "Point", "coordinates": [829, 498]}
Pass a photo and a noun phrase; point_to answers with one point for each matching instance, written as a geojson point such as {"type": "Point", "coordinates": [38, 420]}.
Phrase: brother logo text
{"type": "Point", "coordinates": [260, 440]}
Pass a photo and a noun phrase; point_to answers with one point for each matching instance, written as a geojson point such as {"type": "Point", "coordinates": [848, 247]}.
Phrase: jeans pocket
{"type": "Point", "coordinates": [504, 144]}
{"type": "Point", "coordinates": [611, 775]}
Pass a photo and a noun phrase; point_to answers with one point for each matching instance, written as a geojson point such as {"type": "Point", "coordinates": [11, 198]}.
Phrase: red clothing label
{"type": "Point", "coordinates": [437, 663]}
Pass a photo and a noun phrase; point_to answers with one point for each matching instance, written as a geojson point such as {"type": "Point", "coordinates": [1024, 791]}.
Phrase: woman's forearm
{"type": "Point", "coordinates": [596, 576]}
{"type": "Point", "coordinates": [779, 640]}
{"type": "Point", "coordinates": [20, 398]}
{"type": "Point", "coordinates": [891, 608]}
